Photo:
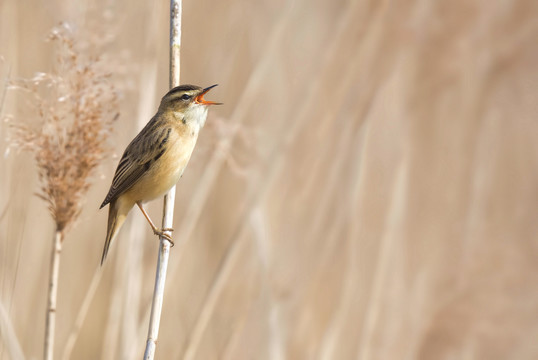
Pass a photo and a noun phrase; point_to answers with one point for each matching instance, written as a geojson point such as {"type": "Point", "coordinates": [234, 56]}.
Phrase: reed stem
{"type": "Point", "coordinates": [50, 323]}
{"type": "Point", "coordinates": [168, 211]}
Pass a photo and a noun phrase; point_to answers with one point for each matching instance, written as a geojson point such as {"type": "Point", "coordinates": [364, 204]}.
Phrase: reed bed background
{"type": "Point", "coordinates": [368, 190]}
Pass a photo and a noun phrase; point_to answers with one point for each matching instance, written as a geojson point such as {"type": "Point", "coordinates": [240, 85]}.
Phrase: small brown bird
{"type": "Point", "coordinates": [156, 158]}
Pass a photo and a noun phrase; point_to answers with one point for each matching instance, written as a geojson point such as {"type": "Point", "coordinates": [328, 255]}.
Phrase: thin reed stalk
{"type": "Point", "coordinates": [50, 323]}
{"type": "Point", "coordinates": [168, 211]}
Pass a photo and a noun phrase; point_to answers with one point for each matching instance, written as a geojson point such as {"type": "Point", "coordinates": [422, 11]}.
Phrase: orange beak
{"type": "Point", "coordinates": [200, 98]}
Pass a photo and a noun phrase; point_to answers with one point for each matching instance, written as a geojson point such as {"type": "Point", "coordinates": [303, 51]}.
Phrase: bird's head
{"type": "Point", "coordinates": [187, 101]}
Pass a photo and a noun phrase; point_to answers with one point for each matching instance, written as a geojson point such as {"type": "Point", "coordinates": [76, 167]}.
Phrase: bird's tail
{"type": "Point", "coordinates": [116, 217]}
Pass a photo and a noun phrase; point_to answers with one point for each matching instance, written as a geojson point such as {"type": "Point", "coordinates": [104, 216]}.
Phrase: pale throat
{"type": "Point", "coordinates": [195, 116]}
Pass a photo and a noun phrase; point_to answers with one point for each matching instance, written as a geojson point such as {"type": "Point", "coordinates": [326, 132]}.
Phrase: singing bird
{"type": "Point", "coordinates": [156, 158]}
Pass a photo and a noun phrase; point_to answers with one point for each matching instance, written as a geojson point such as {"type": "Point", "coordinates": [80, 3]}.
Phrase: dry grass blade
{"type": "Point", "coordinates": [9, 338]}
{"type": "Point", "coordinates": [81, 316]}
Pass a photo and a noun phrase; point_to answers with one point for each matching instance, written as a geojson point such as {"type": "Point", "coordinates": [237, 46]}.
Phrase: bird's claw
{"type": "Point", "coordinates": [161, 233]}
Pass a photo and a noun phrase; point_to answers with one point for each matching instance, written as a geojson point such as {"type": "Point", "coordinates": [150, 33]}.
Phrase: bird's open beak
{"type": "Point", "coordinates": [200, 98]}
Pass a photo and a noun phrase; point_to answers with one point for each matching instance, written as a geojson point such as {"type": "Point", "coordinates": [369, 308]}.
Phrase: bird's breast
{"type": "Point", "coordinates": [166, 171]}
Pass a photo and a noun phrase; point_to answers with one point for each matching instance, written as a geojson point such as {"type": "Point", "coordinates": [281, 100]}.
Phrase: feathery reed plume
{"type": "Point", "coordinates": [75, 107]}
{"type": "Point", "coordinates": [75, 117]}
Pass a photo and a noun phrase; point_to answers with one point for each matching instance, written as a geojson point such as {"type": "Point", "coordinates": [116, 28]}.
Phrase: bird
{"type": "Point", "coordinates": [156, 158]}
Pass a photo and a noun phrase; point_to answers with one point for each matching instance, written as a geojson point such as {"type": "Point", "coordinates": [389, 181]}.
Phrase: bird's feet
{"type": "Point", "coordinates": [161, 232]}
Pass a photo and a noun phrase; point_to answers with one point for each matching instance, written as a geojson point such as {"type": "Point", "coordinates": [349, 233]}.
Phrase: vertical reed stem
{"type": "Point", "coordinates": [168, 211]}
{"type": "Point", "coordinates": [50, 323]}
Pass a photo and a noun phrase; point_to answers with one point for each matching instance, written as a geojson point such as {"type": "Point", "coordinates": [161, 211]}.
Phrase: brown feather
{"type": "Point", "coordinates": [117, 213]}
{"type": "Point", "coordinates": [140, 154]}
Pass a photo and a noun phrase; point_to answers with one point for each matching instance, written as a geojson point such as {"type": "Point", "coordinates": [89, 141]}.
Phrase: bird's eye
{"type": "Point", "coordinates": [185, 97]}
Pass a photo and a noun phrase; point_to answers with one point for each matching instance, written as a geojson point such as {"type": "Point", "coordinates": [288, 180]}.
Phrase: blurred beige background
{"type": "Point", "coordinates": [368, 190]}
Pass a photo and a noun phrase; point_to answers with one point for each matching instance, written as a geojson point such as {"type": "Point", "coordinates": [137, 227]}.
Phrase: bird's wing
{"type": "Point", "coordinates": [142, 152]}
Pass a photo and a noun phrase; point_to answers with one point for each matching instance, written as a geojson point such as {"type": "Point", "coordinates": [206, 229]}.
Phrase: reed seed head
{"type": "Point", "coordinates": [75, 107]}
